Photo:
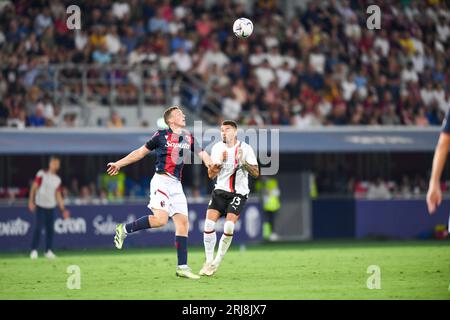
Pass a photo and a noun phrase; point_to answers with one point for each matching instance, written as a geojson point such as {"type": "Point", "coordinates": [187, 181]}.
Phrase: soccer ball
{"type": "Point", "coordinates": [243, 28]}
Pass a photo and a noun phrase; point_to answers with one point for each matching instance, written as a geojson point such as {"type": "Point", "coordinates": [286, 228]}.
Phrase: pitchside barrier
{"type": "Point", "coordinates": [379, 219]}
{"type": "Point", "coordinates": [93, 226]}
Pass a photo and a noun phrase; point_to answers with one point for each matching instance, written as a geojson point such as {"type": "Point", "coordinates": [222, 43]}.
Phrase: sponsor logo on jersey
{"type": "Point", "coordinates": [228, 166]}
{"type": "Point", "coordinates": [177, 145]}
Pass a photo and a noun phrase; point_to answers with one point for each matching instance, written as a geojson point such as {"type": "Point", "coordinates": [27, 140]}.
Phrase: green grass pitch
{"type": "Point", "coordinates": [309, 270]}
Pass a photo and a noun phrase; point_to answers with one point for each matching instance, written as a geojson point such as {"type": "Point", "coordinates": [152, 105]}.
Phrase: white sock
{"type": "Point", "coordinates": [225, 241]}
{"type": "Point", "coordinates": [209, 240]}
{"type": "Point", "coordinates": [124, 229]}
{"type": "Point", "coordinates": [224, 244]}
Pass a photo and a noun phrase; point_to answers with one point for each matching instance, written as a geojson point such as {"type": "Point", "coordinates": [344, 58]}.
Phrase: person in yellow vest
{"type": "Point", "coordinates": [114, 186]}
{"type": "Point", "coordinates": [270, 199]}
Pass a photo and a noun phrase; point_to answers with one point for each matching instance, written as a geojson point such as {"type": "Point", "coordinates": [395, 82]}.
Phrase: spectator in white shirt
{"type": "Point", "coordinates": [42, 21]}
{"type": "Point", "coordinates": [258, 56]}
{"type": "Point", "coordinates": [427, 94]}
{"type": "Point", "coordinates": [182, 60]}
{"type": "Point", "coordinates": [409, 74]}
{"type": "Point", "coordinates": [439, 97]}
{"type": "Point", "coordinates": [303, 120]}
{"type": "Point", "coordinates": [120, 9]}
{"type": "Point", "coordinates": [284, 74]}
{"type": "Point", "coordinates": [353, 30]}
{"type": "Point", "coordinates": [231, 108]}
{"type": "Point", "coordinates": [274, 57]}
{"type": "Point", "coordinates": [264, 74]}
{"type": "Point", "coordinates": [418, 44]}
{"type": "Point", "coordinates": [418, 62]}
{"type": "Point", "coordinates": [378, 190]}
{"type": "Point", "coordinates": [348, 87]}
{"type": "Point", "coordinates": [290, 59]}
{"type": "Point", "coordinates": [317, 60]}
{"type": "Point", "coordinates": [81, 39]}
{"type": "Point", "coordinates": [382, 43]}
{"type": "Point", "coordinates": [443, 29]}
{"type": "Point", "coordinates": [215, 56]}
{"type": "Point", "coordinates": [271, 38]}
{"type": "Point", "coordinates": [113, 43]}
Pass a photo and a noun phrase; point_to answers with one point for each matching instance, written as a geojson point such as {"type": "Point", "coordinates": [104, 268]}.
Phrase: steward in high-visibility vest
{"type": "Point", "coordinates": [270, 198]}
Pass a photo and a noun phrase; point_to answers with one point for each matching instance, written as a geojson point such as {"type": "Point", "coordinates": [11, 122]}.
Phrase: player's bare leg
{"type": "Point", "coordinates": [158, 219]}
{"type": "Point", "coordinates": [224, 243]}
{"type": "Point", "coordinates": [181, 222]}
{"type": "Point", "coordinates": [209, 238]}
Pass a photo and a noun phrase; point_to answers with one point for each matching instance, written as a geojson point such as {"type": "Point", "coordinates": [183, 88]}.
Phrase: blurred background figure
{"type": "Point", "coordinates": [115, 121]}
{"type": "Point", "coordinates": [378, 190]}
{"type": "Point", "coordinates": [45, 195]}
{"type": "Point", "coordinates": [267, 187]}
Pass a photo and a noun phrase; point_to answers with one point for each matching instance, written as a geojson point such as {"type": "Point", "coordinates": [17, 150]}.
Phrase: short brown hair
{"type": "Point", "coordinates": [230, 123]}
{"type": "Point", "coordinates": [168, 112]}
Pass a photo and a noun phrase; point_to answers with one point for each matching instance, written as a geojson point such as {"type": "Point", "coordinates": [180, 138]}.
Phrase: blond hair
{"type": "Point", "coordinates": [168, 112]}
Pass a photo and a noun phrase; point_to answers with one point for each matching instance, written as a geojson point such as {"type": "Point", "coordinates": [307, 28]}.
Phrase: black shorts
{"type": "Point", "coordinates": [227, 202]}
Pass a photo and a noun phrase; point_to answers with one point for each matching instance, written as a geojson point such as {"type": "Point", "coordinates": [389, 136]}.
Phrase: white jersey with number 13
{"type": "Point", "coordinates": [229, 178]}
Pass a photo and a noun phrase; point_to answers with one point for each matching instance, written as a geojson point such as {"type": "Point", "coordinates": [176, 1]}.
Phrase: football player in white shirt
{"type": "Point", "coordinates": [45, 195]}
{"type": "Point", "coordinates": [232, 161]}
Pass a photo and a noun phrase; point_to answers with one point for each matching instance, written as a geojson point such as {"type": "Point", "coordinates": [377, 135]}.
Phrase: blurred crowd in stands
{"type": "Point", "coordinates": [103, 190]}
{"type": "Point", "coordinates": [106, 189]}
{"type": "Point", "coordinates": [321, 67]}
{"type": "Point", "coordinates": [406, 187]}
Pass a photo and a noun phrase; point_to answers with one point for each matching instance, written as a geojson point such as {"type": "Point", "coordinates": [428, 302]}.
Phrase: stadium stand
{"type": "Point", "coordinates": [309, 64]}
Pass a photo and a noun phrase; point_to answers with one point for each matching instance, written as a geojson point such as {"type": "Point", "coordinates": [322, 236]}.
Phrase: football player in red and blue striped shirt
{"type": "Point", "coordinates": [434, 195]}
{"type": "Point", "coordinates": [167, 198]}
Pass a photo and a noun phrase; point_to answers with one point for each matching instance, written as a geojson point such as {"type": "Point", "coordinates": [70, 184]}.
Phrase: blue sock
{"type": "Point", "coordinates": [181, 245]}
{"type": "Point", "coordinates": [139, 224]}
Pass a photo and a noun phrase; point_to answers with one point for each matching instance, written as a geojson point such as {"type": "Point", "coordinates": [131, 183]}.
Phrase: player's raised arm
{"type": "Point", "coordinates": [205, 158]}
{"type": "Point", "coordinates": [134, 156]}
{"type": "Point", "coordinates": [195, 147]}
{"type": "Point", "coordinates": [434, 195]}
{"type": "Point", "coordinates": [247, 160]}
{"type": "Point", "coordinates": [252, 169]}
{"type": "Point", "coordinates": [214, 170]}
{"type": "Point", "coordinates": [217, 159]}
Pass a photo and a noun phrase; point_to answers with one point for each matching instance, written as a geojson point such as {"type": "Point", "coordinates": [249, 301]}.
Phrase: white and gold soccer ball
{"type": "Point", "coordinates": [243, 28]}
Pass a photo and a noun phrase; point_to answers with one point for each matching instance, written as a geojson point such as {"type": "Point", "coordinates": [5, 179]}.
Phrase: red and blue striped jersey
{"type": "Point", "coordinates": [169, 148]}
{"type": "Point", "coordinates": [446, 123]}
